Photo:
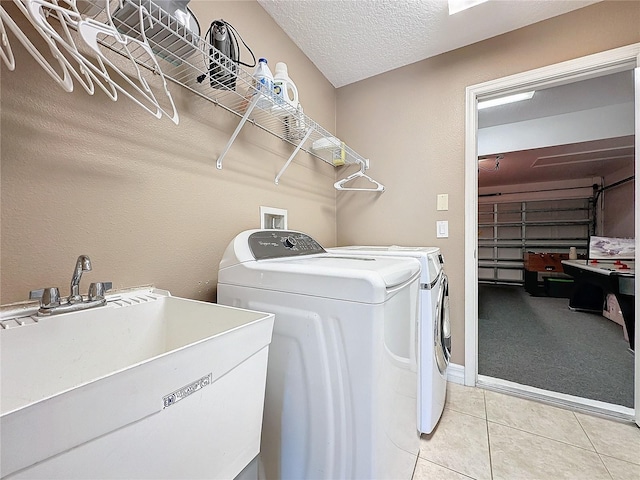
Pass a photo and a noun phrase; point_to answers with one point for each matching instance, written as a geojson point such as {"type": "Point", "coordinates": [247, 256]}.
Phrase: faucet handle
{"type": "Point", "coordinates": [97, 290]}
{"type": "Point", "coordinates": [49, 297]}
{"type": "Point", "coordinates": [36, 294]}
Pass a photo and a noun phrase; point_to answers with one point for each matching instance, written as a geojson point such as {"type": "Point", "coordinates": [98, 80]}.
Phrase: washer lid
{"type": "Point", "coordinates": [429, 257]}
{"type": "Point", "coordinates": [390, 249]}
{"type": "Point", "coordinates": [293, 262]}
{"type": "Point", "coordinates": [350, 278]}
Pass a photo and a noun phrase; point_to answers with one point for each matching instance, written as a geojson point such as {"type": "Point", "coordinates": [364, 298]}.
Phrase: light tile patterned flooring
{"type": "Point", "coordinates": [488, 435]}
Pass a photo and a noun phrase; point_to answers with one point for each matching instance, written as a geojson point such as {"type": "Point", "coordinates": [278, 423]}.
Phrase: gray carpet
{"type": "Point", "coordinates": [538, 341]}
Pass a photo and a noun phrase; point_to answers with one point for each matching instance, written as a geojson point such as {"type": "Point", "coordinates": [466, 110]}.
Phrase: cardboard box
{"type": "Point", "coordinates": [612, 312]}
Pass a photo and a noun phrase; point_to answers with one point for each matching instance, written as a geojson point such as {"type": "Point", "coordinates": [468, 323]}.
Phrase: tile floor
{"type": "Point", "coordinates": [488, 435]}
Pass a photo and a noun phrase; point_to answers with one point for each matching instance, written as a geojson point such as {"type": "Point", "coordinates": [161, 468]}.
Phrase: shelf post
{"type": "Point", "coordinates": [252, 104]}
{"type": "Point", "coordinates": [297, 149]}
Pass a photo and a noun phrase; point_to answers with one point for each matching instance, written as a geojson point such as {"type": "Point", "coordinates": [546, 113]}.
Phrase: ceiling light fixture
{"type": "Point", "coordinates": [494, 102]}
{"type": "Point", "coordinates": [456, 6]}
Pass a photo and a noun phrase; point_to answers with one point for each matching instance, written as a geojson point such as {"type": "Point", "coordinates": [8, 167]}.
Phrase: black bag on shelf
{"type": "Point", "coordinates": [224, 57]}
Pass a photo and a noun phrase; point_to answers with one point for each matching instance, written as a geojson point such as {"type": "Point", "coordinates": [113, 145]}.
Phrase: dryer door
{"type": "Point", "coordinates": [442, 333]}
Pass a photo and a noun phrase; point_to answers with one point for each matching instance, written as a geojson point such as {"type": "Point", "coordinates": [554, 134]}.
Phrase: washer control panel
{"type": "Point", "coordinates": [282, 243]}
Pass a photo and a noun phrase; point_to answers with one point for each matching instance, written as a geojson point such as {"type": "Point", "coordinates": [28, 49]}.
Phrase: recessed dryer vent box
{"type": "Point", "coordinates": [274, 218]}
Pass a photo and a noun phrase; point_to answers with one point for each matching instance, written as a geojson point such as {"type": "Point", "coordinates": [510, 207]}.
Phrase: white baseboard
{"type": "Point", "coordinates": [455, 373]}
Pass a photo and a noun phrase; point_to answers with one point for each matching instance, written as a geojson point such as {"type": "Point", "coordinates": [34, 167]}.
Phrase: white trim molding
{"type": "Point", "coordinates": [637, 232]}
{"type": "Point", "coordinates": [561, 400]}
{"type": "Point", "coordinates": [455, 373]}
{"type": "Point", "coordinates": [591, 66]}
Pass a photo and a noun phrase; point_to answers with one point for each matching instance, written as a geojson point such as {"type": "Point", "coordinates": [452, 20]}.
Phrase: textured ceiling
{"type": "Point", "coordinates": [350, 40]}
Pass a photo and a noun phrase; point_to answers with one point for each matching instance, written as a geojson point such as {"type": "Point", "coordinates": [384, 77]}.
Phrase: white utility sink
{"type": "Point", "coordinates": [148, 386]}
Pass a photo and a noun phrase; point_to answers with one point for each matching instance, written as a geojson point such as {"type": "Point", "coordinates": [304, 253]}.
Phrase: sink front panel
{"type": "Point", "coordinates": [212, 434]}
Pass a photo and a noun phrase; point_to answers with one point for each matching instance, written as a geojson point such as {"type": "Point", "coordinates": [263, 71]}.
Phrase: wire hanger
{"type": "Point", "coordinates": [5, 47]}
{"type": "Point", "coordinates": [67, 14]}
{"type": "Point", "coordinates": [62, 77]}
{"type": "Point", "coordinates": [88, 73]}
{"type": "Point", "coordinates": [339, 185]}
{"type": "Point", "coordinates": [89, 30]}
{"type": "Point", "coordinates": [124, 41]}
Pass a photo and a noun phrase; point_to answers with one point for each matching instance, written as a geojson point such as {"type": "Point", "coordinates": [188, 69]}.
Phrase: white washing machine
{"type": "Point", "coordinates": [434, 330]}
{"type": "Point", "coordinates": [342, 375]}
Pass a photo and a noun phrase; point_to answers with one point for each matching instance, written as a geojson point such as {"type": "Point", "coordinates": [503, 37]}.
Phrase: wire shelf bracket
{"type": "Point", "coordinates": [295, 152]}
{"type": "Point", "coordinates": [243, 120]}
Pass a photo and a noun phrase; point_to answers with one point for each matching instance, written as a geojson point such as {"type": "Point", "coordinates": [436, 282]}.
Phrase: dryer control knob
{"type": "Point", "coordinates": [290, 242]}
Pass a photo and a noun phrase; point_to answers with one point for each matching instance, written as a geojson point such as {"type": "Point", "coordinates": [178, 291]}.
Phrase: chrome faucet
{"type": "Point", "coordinates": [50, 302]}
{"type": "Point", "coordinates": [83, 264]}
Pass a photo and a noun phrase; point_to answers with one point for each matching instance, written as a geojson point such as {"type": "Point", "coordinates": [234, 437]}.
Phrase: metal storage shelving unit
{"type": "Point", "coordinates": [194, 60]}
{"type": "Point", "coordinates": [509, 230]}
{"type": "Point", "coordinates": [186, 59]}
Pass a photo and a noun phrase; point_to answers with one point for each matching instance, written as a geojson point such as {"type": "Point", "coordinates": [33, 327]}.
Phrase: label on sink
{"type": "Point", "coordinates": [184, 392]}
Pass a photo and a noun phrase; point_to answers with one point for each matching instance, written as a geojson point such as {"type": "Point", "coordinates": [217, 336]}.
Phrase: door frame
{"type": "Point", "coordinates": [608, 62]}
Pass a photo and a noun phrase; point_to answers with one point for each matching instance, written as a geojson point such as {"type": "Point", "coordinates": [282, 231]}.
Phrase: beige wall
{"type": "Point", "coordinates": [411, 123]}
{"type": "Point", "coordinates": [142, 197]}
{"type": "Point", "coordinates": [144, 200]}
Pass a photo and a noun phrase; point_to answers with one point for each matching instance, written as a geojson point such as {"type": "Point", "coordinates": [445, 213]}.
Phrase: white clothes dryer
{"type": "Point", "coordinates": [342, 374]}
{"type": "Point", "coordinates": [434, 326]}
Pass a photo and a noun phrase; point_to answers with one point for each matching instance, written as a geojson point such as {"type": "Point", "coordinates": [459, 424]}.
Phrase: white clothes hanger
{"type": "Point", "coordinates": [89, 30]}
{"type": "Point", "coordinates": [119, 36]}
{"type": "Point", "coordinates": [62, 77]}
{"type": "Point", "coordinates": [66, 11]}
{"type": "Point", "coordinates": [5, 47]}
{"type": "Point", "coordinates": [339, 185]}
{"type": "Point", "coordinates": [67, 15]}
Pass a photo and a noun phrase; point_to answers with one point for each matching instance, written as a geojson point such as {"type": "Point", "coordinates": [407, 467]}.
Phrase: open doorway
{"type": "Point", "coordinates": [607, 63]}
{"type": "Point", "coordinates": [550, 169]}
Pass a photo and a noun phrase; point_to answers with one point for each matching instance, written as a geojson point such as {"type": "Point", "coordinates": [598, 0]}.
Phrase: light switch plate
{"type": "Point", "coordinates": [443, 201]}
{"type": "Point", "coordinates": [442, 229]}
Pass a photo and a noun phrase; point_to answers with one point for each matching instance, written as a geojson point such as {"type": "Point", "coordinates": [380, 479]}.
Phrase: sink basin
{"type": "Point", "coordinates": [147, 386]}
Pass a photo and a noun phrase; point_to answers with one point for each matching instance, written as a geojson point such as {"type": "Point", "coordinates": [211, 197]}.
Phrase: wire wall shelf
{"type": "Point", "coordinates": [135, 28]}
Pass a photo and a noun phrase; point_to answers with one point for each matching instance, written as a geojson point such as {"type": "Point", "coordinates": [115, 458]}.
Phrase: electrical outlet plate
{"type": "Point", "coordinates": [442, 201]}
